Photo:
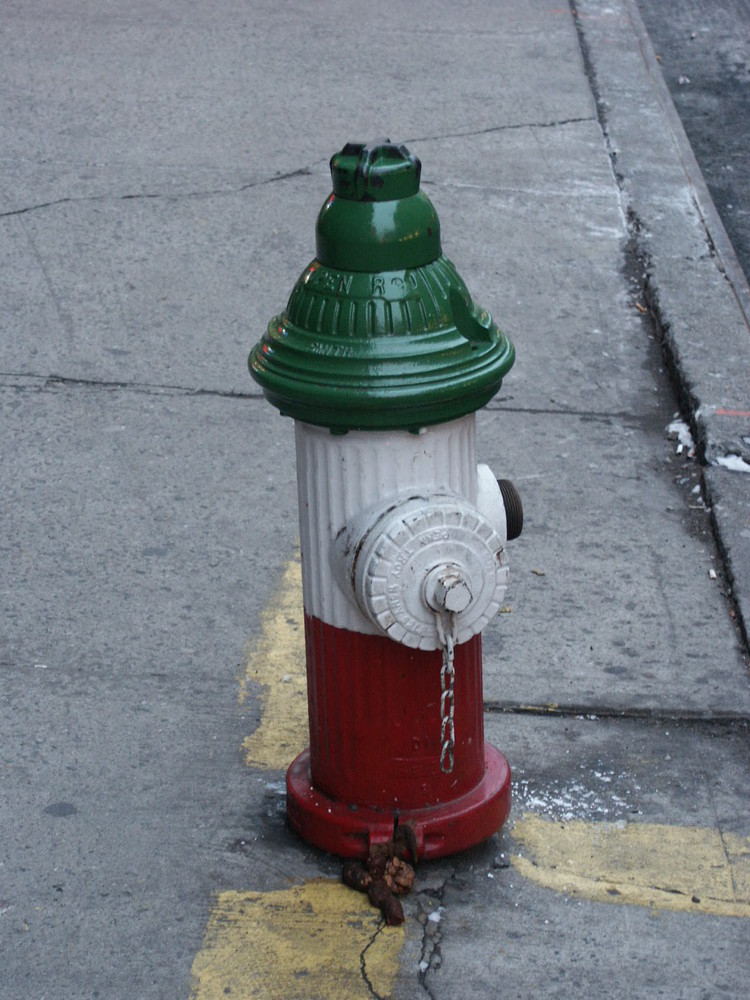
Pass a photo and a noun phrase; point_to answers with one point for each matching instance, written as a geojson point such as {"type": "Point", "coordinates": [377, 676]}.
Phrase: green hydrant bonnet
{"type": "Point", "coordinates": [380, 332]}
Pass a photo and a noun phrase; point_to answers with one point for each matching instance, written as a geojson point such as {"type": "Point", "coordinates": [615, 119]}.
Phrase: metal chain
{"type": "Point", "coordinates": [447, 678]}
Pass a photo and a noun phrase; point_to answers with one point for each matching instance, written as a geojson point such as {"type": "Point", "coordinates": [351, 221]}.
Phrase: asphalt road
{"type": "Point", "coordinates": [704, 51]}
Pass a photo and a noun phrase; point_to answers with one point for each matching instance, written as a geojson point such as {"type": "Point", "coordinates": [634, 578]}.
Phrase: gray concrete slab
{"type": "Point", "coordinates": [129, 514]}
{"type": "Point", "coordinates": [175, 90]}
{"type": "Point", "coordinates": [105, 290]}
{"type": "Point", "coordinates": [611, 604]}
{"type": "Point", "coordinates": [134, 553]}
{"type": "Point", "coordinates": [576, 329]}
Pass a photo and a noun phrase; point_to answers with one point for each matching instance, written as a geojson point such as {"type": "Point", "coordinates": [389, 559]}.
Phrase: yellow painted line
{"type": "Point", "coordinates": [695, 869]}
{"type": "Point", "coordinates": [318, 941]}
{"type": "Point", "coordinates": [275, 663]}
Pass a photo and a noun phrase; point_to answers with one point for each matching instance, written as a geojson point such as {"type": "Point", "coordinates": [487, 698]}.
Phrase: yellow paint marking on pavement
{"type": "Point", "coordinates": [276, 662]}
{"type": "Point", "coordinates": [317, 941]}
{"type": "Point", "coordinates": [695, 869]}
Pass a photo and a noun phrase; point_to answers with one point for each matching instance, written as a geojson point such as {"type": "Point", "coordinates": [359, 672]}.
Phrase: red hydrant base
{"type": "Point", "coordinates": [443, 829]}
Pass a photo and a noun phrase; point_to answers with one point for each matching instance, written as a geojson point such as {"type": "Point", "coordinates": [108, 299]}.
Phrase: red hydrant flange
{"type": "Point", "coordinates": [370, 777]}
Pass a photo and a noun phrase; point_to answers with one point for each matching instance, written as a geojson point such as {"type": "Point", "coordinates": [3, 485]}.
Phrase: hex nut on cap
{"type": "Point", "coordinates": [445, 589]}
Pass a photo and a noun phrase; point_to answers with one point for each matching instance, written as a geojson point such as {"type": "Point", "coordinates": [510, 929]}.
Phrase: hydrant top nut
{"type": "Point", "coordinates": [376, 219]}
{"type": "Point", "coordinates": [380, 172]}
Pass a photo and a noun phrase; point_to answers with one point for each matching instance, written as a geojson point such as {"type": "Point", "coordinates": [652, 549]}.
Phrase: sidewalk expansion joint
{"type": "Point", "coordinates": [40, 383]}
{"type": "Point", "coordinates": [594, 713]}
{"type": "Point", "coordinates": [637, 420]}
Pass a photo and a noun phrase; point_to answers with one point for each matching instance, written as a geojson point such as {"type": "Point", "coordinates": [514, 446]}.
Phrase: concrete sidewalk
{"type": "Point", "coordinates": [162, 168]}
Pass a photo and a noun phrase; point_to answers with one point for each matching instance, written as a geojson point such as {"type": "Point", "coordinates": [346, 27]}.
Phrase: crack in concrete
{"type": "Point", "coordinates": [719, 826]}
{"type": "Point", "coordinates": [152, 196]}
{"type": "Point", "coordinates": [429, 904]}
{"type": "Point", "coordinates": [62, 314]}
{"type": "Point", "coordinates": [306, 171]}
{"type": "Point", "coordinates": [363, 962]}
{"type": "Point", "coordinates": [508, 127]}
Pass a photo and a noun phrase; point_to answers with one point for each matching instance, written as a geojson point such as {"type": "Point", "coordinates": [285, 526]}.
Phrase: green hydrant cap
{"type": "Point", "coordinates": [379, 332]}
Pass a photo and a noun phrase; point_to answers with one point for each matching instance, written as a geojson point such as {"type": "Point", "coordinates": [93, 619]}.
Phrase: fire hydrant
{"type": "Point", "coordinates": [382, 359]}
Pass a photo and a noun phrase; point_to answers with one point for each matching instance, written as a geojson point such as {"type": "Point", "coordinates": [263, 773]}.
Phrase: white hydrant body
{"type": "Point", "coordinates": [355, 490]}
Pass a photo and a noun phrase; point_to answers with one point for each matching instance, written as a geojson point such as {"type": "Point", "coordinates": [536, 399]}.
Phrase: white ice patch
{"type": "Point", "coordinates": [276, 787]}
{"type": "Point", "coordinates": [679, 429]}
{"type": "Point", "coordinates": [573, 799]}
{"type": "Point", "coordinates": [732, 462]}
